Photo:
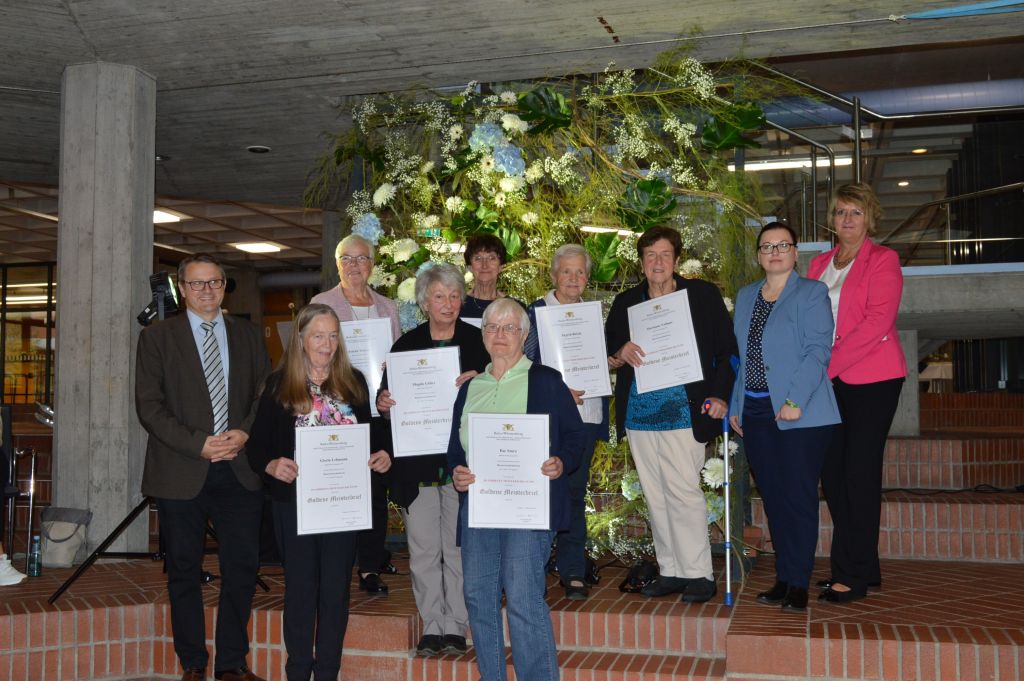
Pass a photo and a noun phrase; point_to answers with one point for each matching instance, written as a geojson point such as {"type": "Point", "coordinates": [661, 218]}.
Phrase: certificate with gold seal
{"type": "Point", "coordinates": [505, 454]}
{"type": "Point", "coordinates": [332, 491]}
{"type": "Point", "coordinates": [571, 339]}
{"type": "Point", "coordinates": [367, 342]}
{"type": "Point", "coordinates": [422, 384]}
{"type": "Point", "coordinates": [663, 328]}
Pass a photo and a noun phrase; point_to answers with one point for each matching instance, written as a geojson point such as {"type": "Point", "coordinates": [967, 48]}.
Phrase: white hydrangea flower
{"type": "Point", "coordinates": [403, 249]}
{"type": "Point", "coordinates": [713, 473]}
{"type": "Point", "coordinates": [455, 132]}
{"type": "Point", "coordinates": [468, 276]}
{"type": "Point", "coordinates": [535, 171]}
{"type": "Point", "coordinates": [530, 218]}
{"type": "Point", "coordinates": [511, 184]}
{"type": "Point", "coordinates": [454, 204]}
{"type": "Point", "coordinates": [427, 167]}
{"type": "Point", "coordinates": [407, 290]}
{"type": "Point", "coordinates": [729, 306]}
{"type": "Point", "coordinates": [384, 194]}
{"type": "Point", "coordinates": [380, 279]}
{"type": "Point", "coordinates": [691, 268]}
{"type": "Point", "coordinates": [513, 123]}
{"type": "Point", "coordinates": [508, 97]}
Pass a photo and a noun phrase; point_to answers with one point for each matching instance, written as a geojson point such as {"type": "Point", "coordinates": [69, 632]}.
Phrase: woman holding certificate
{"type": "Point", "coordinates": [783, 405]}
{"type": "Point", "coordinates": [421, 485]}
{"type": "Point", "coordinates": [867, 369]}
{"type": "Point", "coordinates": [315, 385]}
{"type": "Point", "coordinates": [353, 299]}
{"type": "Point", "coordinates": [505, 557]}
{"type": "Point", "coordinates": [570, 272]}
{"type": "Point", "coordinates": [668, 427]}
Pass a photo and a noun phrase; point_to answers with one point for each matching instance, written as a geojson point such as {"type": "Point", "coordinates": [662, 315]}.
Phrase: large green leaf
{"type": "Point", "coordinates": [510, 237]}
{"type": "Point", "coordinates": [603, 249]}
{"type": "Point", "coordinates": [727, 130]}
{"type": "Point", "coordinates": [645, 203]}
{"type": "Point", "coordinates": [546, 109]}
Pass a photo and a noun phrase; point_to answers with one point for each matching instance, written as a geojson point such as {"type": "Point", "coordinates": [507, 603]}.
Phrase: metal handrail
{"type": "Point", "coordinates": [947, 201]}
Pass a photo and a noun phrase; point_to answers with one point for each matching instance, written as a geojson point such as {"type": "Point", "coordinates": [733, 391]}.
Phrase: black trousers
{"type": "Point", "coordinates": [371, 552]}
{"type": "Point", "coordinates": [235, 513]}
{"type": "Point", "coordinates": [852, 478]}
{"type": "Point", "coordinates": [786, 466]}
{"type": "Point", "coordinates": [317, 580]}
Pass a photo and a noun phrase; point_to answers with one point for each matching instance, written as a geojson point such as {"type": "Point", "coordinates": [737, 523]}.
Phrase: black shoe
{"type": "Point", "coordinates": [795, 599]}
{"type": "Point", "coordinates": [700, 590]}
{"type": "Point", "coordinates": [453, 643]}
{"type": "Point", "coordinates": [833, 596]}
{"type": "Point", "coordinates": [429, 645]}
{"type": "Point", "coordinates": [774, 595]}
{"type": "Point", "coordinates": [373, 585]}
{"type": "Point", "coordinates": [576, 592]}
{"type": "Point", "coordinates": [388, 569]}
{"type": "Point", "coordinates": [827, 584]}
{"type": "Point", "coordinates": [663, 586]}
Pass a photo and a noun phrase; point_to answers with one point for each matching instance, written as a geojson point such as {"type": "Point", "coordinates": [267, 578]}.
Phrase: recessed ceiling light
{"type": "Point", "coordinates": [258, 247]}
{"type": "Point", "coordinates": [919, 150]}
{"type": "Point", "coordinates": [903, 183]}
{"type": "Point", "coordinates": [160, 216]}
{"type": "Point", "coordinates": [258, 149]}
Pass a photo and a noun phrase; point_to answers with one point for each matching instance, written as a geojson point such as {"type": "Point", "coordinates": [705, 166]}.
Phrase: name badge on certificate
{"type": "Point", "coordinates": [505, 454]}
{"type": "Point", "coordinates": [332, 492]}
{"type": "Point", "coordinates": [571, 339]}
{"type": "Point", "coordinates": [367, 343]}
{"type": "Point", "coordinates": [663, 328]}
{"type": "Point", "coordinates": [422, 384]}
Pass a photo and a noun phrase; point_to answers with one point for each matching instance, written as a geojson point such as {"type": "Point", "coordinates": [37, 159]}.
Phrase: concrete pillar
{"type": "Point", "coordinates": [330, 237]}
{"type": "Point", "coordinates": [907, 422]}
{"type": "Point", "coordinates": [104, 254]}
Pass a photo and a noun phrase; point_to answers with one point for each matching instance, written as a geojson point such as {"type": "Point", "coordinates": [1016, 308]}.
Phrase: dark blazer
{"type": "Point", "coordinates": [716, 344]}
{"type": "Point", "coordinates": [796, 346]}
{"type": "Point", "coordinates": [532, 350]}
{"type": "Point", "coordinates": [408, 472]}
{"type": "Point", "coordinates": [273, 435]}
{"type": "Point", "coordinates": [546, 393]}
{"type": "Point", "coordinates": [173, 402]}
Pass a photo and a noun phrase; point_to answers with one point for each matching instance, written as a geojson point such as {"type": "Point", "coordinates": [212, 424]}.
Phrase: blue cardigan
{"type": "Point", "coordinates": [797, 345]}
{"type": "Point", "coordinates": [545, 394]}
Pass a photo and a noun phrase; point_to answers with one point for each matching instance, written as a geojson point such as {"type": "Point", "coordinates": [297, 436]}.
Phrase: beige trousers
{"type": "Point", "coordinates": [669, 464]}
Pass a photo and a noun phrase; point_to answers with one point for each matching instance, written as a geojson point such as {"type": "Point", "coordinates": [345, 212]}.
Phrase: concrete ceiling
{"type": "Point", "coordinates": [236, 73]}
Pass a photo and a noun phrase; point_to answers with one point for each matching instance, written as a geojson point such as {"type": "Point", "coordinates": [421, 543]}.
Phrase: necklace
{"type": "Point", "coordinates": [841, 263]}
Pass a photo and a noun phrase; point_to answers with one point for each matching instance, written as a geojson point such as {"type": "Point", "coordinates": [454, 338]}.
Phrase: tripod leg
{"type": "Point", "coordinates": [111, 538]}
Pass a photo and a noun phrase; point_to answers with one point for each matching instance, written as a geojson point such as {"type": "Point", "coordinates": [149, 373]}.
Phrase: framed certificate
{"type": "Point", "coordinates": [506, 452]}
{"type": "Point", "coordinates": [367, 343]}
{"type": "Point", "coordinates": [663, 328]}
{"type": "Point", "coordinates": [571, 340]}
{"type": "Point", "coordinates": [332, 491]}
{"type": "Point", "coordinates": [422, 384]}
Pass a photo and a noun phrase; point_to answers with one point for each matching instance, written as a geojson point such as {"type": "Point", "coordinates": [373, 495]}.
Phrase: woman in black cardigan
{"type": "Point", "coordinates": [420, 485]}
{"type": "Point", "coordinates": [314, 386]}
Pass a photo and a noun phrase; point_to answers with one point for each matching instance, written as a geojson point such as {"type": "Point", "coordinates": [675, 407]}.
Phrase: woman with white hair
{"type": "Point", "coordinates": [513, 561]}
{"type": "Point", "coordinates": [353, 299]}
{"type": "Point", "coordinates": [421, 485]}
{"type": "Point", "coordinates": [570, 272]}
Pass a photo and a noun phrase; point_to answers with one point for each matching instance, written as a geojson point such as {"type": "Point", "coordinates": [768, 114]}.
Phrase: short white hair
{"type": "Point", "coordinates": [350, 240]}
{"type": "Point", "coordinates": [571, 251]}
{"type": "Point", "coordinates": [507, 307]}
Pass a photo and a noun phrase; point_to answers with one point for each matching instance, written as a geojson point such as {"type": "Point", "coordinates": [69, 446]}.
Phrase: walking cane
{"type": "Point", "coordinates": [728, 519]}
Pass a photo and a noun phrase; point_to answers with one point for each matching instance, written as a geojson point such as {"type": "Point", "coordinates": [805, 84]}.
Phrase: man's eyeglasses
{"type": "Point", "coordinates": [781, 247]}
{"type": "Point", "coordinates": [357, 259]}
{"type": "Point", "coordinates": [199, 284]}
{"type": "Point", "coordinates": [507, 329]}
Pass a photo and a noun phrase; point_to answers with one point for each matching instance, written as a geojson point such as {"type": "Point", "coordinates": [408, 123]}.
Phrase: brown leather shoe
{"type": "Point", "coordinates": [240, 674]}
{"type": "Point", "coordinates": [195, 674]}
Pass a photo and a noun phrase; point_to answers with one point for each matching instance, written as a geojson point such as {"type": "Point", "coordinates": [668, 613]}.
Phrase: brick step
{"type": "Point", "coordinates": [937, 526]}
{"type": "Point", "coordinates": [932, 621]}
{"type": "Point", "coordinates": [952, 462]}
{"type": "Point", "coordinates": [585, 666]}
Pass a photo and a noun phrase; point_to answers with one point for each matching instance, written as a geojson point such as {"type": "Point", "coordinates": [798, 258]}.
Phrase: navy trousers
{"type": "Point", "coordinates": [786, 466]}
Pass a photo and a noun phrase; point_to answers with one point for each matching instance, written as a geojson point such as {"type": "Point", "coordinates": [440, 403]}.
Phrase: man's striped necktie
{"type": "Point", "coordinates": [214, 371]}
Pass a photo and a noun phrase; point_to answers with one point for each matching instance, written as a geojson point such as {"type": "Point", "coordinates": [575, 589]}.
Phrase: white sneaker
{"type": "Point", "coordinates": [9, 576]}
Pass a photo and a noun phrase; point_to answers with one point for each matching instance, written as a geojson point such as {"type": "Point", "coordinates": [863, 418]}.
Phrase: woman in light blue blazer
{"type": "Point", "coordinates": [783, 405]}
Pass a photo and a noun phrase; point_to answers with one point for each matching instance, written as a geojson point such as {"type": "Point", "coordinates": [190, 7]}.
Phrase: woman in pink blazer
{"type": "Point", "coordinates": [867, 369]}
